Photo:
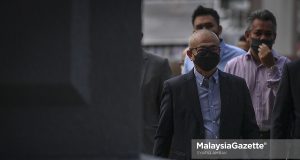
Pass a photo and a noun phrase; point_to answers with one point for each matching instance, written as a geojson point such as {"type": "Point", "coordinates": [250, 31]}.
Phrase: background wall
{"type": "Point", "coordinates": [167, 24]}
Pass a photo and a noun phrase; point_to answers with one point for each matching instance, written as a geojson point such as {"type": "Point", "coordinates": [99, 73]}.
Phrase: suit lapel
{"type": "Point", "coordinates": [193, 98]}
{"type": "Point", "coordinates": [225, 99]}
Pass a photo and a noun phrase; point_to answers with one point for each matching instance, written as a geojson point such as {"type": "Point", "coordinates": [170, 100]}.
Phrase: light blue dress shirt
{"type": "Point", "coordinates": [227, 53]}
{"type": "Point", "coordinates": [210, 103]}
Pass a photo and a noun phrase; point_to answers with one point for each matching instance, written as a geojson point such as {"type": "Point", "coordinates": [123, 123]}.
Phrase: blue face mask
{"type": "Point", "coordinates": [256, 43]}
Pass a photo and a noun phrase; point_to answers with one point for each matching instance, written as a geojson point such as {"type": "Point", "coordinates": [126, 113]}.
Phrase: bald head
{"type": "Point", "coordinates": [202, 37]}
{"type": "Point", "coordinates": [204, 51]}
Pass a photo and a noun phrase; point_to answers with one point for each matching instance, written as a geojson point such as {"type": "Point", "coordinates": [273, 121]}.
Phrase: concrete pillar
{"type": "Point", "coordinates": [69, 79]}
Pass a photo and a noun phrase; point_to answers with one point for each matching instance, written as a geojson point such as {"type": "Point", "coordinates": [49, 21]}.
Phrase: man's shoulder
{"type": "Point", "coordinates": [234, 50]}
{"type": "Point", "coordinates": [237, 60]}
{"type": "Point", "coordinates": [154, 57]}
{"type": "Point", "coordinates": [294, 65]}
{"type": "Point", "coordinates": [180, 79]}
{"type": "Point", "coordinates": [231, 76]}
{"type": "Point", "coordinates": [279, 55]}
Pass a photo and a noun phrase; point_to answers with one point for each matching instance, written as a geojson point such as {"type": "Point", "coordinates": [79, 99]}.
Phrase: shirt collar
{"type": "Point", "coordinates": [222, 46]}
{"type": "Point", "coordinates": [200, 78]}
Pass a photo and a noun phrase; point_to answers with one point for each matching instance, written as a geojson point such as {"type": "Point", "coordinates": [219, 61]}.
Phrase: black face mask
{"type": "Point", "coordinates": [207, 59]}
{"type": "Point", "coordinates": [256, 43]}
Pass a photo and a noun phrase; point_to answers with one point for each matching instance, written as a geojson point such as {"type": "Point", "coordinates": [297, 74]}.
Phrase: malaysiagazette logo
{"type": "Point", "coordinates": [230, 146]}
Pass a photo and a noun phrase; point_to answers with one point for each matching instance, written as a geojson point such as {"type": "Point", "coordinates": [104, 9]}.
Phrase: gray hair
{"type": "Point", "coordinates": [264, 15]}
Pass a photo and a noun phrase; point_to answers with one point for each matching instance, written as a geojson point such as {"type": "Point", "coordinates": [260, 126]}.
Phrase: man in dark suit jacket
{"type": "Point", "coordinates": [155, 71]}
{"type": "Point", "coordinates": [286, 112]}
{"type": "Point", "coordinates": [185, 107]}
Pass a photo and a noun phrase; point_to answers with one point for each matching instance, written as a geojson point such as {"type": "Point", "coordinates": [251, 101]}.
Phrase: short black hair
{"type": "Point", "coordinates": [264, 15]}
{"type": "Point", "coordinates": [203, 11]}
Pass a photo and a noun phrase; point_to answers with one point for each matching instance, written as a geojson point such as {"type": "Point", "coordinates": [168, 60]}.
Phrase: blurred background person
{"type": "Point", "coordinates": [286, 112]}
{"type": "Point", "coordinates": [243, 44]}
{"type": "Point", "coordinates": [208, 18]}
{"type": "Point", "coordinates": [155, 70]}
